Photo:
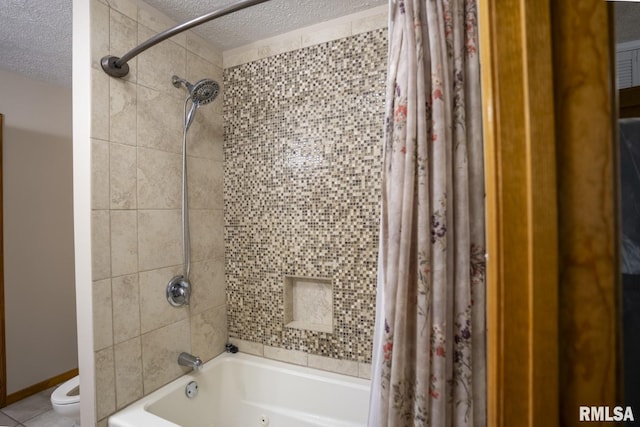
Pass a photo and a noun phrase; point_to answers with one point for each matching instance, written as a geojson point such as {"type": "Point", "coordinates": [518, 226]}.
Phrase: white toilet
{"type": "Point", "coordinates": [65, 399]}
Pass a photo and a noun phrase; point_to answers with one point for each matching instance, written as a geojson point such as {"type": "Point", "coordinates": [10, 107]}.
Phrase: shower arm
{"type": "Point", "coordinates": [118, 67]}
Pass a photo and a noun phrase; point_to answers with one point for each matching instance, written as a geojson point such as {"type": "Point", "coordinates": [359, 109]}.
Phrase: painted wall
{"type": "Point", "coordinates": [38, 231]}
{"type": "Point", "coordinates": [136, 141]}
{"type": "Point", "coordinates": [303, 143]}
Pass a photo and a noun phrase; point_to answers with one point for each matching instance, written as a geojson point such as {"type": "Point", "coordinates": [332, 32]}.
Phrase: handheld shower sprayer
{"type": "Point", "coordinates": [201, 93]}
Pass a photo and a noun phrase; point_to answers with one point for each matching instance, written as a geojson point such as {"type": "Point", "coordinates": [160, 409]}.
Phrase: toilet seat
{"type": "Point", "coordinates": [60, 395]}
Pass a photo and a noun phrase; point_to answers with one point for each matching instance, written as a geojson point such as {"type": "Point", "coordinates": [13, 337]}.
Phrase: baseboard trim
{"type": "Point", "coordinates": [41, 386]}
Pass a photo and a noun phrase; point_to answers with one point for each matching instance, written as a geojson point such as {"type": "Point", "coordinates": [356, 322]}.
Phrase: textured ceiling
{"type": "Point", "coordinates": [35, 35]}
{"type": "Point", "coordinates": [35, 39]}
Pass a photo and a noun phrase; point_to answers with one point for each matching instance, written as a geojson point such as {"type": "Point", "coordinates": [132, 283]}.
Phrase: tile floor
{"type": "Point", "coordinates": [34, 411]}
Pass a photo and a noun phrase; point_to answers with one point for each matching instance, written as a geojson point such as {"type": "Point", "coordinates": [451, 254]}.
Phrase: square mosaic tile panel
{"type": "Point", "coordinates": [303, 145]}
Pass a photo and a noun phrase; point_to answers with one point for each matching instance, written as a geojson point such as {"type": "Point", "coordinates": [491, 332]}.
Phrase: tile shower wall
{"type": "Point", "coordinates": [302, 146]}
{"type": "Point", "coordinates": [136, 183]}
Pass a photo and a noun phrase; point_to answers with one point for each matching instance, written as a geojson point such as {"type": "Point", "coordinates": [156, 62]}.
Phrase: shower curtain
{"type": "Point", "coordinates": [429, 346]}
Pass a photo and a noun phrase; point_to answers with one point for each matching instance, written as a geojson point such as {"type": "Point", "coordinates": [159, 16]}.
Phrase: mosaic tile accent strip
{"type": "Point", "coordinates": [303, 141]}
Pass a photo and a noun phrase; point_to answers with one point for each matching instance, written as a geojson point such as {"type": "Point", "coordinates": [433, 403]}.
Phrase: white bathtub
{"type": "Point", "coordinates": [239, 390]}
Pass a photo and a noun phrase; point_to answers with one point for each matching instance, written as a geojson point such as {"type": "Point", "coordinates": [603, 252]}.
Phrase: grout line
{"type": "Point", "coordinates": [11, 418]}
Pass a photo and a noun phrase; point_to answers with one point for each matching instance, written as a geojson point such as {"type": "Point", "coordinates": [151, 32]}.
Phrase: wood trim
{"type": "Point", "coordinates": [522, 284]}
{"type": "Point", "coordinates": [41, 386]}
{"type": "Point", "coordinates": [586, 134]}
{"type": "Point", "coordinates": [3, 347]}
{"type": "Point", "coordinates": [553, 279]}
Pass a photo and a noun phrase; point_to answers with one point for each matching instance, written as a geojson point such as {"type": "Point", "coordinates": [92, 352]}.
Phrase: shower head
{"type": "Point", "coordinates": [203, 92]}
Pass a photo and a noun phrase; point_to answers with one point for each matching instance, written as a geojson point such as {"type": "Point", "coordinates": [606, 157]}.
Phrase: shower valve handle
{"type": "Point", "coordinates": [178, 291]}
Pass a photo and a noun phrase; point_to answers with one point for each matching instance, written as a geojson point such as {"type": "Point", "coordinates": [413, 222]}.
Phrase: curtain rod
{"type": "Point", "coordinates": [118, 67]}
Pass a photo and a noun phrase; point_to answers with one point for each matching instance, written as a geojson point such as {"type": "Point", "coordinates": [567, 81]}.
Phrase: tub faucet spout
{"type": "Point", "coordinates": [186, 359]}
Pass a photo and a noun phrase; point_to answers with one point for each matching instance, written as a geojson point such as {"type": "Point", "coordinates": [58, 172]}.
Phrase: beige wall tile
{"type": "Point", "coordinates": [122, 177]}
{"type": "Point", "coordinates": [312, 301]}
{"type": "Point", "coordinates": [205, 125]}
{"type": "Point", "coordinates": [199, 68]}
{"type": "Point", "coordinates": [159, 179]}
{"type": "Point", "coordinates": [209, 332]}
{"type": "Point", "coordinates": [263, 49]}
{"type": "Point", "coordinates": [105, 383]}
{"type": "Point", "coordinates": [99, 33]}
{"type": "Point", "coordinates": [137, 243]}
{"type": "Point", "coordinates": [208, 291]}
{"type": "Point", "coordinates": [218, 107]}
{"type": "Point", "coordinates": [205, 139]}
{"type": "Point", "coordinates": [159, 22]}
{"type": "Point", "coordinates": [123, 36]}
{"type": "Point", "coordinates": [204, 49]}
{"type": "Point", "coordinates": [378, 18]}
{"type": "Point", "coordinates": [205, 183]}
{"type": "Point", "coordinates": [157, 64]}
{"type": "Point", "coordinates": [320, 34]}
{"type": "Point", "coordinates": [126, 307]}
{"type": "Point", "coordinates": [248, 347]}
{"type": "Point", "coordinates": [128, 368]}
{"type": "Point", "coordinates": [99, 174]}
{"type": "Point", "coordinates": [122, 110]}
{"type": "Point", "coordinates": [159, 238]}
{"type": "Point", "coordinates": [288, 302]}
{"type": "Point", "coordinates": [217, 233]}
{"type": "Point", "coordinates": [160, 350]}
{"type": "Point", "coordinates": [100, 245]}
{"type": "Point", "coordinates": [240, 55]}
{"type": "Point", "coordinates": [124, 245]}
{"type": "Point", "coordinates": [155, 311]}
{"type": "Point", "coordinates": [100, 105]}
{"type": "Point", "coordinates": [102, 315]}
{"type": "Point", "coordinates": [289, 356]}
{"type": "Point", "coordinates": [216, 139]}
{"type": "Point", "coordinates": [160, 118]}
{"type": "Point", "coordinates": [346, 367]}
{"type": "Point", "coordinates": [126, 7]}
{"type": "Point", "coordinates": [364, 370]}
{"type": "Point", "coordinates": [280, 44]}
{"type": "Point", "coordinates": [207, 239]}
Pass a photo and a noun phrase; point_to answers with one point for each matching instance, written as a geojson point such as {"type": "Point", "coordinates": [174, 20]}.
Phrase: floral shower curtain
{"type": "Point", "coordinates": [429, 349]}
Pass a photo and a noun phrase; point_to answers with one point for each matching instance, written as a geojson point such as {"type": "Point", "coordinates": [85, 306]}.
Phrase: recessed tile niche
{"type": "Point", "coordinates": [308, 303]}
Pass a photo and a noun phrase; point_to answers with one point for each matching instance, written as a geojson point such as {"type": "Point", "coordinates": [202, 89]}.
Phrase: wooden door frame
{"type": "Point", "coordinates": [522, 270]}
{"type": "Point", "coordinates": [552, 233]}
